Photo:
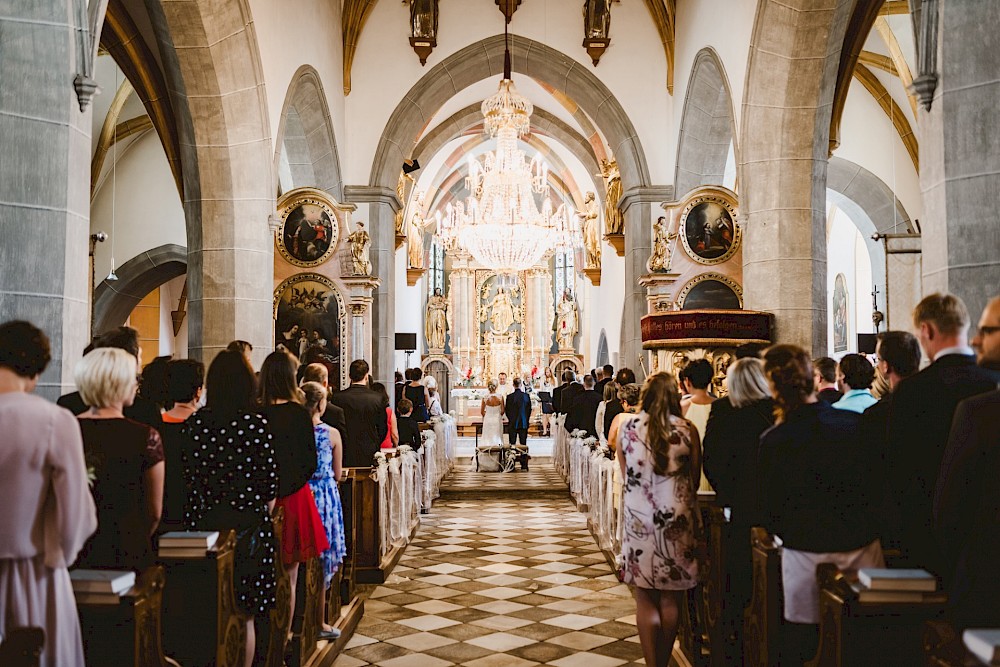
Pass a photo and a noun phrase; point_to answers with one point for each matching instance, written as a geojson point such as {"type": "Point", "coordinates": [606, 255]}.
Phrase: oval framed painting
{"type": "Point", "coordinates": [711, 291]}
{"type": "Point", "coordinates": [708, 229]}
{"type": "Point", "coordinates": [308, 232]}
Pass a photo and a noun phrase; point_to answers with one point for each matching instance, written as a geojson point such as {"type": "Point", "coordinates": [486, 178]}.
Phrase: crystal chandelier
{"type": "Point", "coordinates": [500, 224]}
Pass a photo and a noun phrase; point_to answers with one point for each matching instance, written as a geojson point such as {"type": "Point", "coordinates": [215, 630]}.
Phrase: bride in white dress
{"type": "Point", "coordinates": [492, 411]}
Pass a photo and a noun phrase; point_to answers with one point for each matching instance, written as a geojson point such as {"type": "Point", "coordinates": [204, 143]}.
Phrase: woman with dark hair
{"type": "Point", "coordinates": [48, 510]}
{"type": "Point", "coordinates": [232, 481]}
{"type": "Point", "coordinates": [418, 395]}
{"type": "Point", "coordinates": [817, 492]}
{"type": "Point", "coordinates": [660, 458]}
{"type": "Point", "coordinates": [185, 380]}
{"type": "Point", "coordinates": [302, 536]}
{"type": "Point", "coordinates": [153, 385]}
{"type": "Point", "coordinates": [392, 435]}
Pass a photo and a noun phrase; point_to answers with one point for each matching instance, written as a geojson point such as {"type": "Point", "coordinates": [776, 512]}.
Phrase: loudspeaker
{"type": "Point", "coordinates": [866, 343]}
{"type": "Point", "coordinates": [406, 341]}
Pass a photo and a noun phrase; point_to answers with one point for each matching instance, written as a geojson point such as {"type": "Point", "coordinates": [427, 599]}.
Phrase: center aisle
{"type": "Point", "coordinates": [506, 578]}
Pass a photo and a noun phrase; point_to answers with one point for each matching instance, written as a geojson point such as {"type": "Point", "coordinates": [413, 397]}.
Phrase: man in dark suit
{"type": "Point", "coordinates": [607, 374]}
{"type": "Point", "coordinates": [517, 408]}
{"type": "Point", "coordinates": [142, 409]}
{"type": "Point", "coordinates": [334, 416]}
{"type": "Point", "coordinates": [570, 393]}
{"type": "Point", "coordinates": [967, 512]}
{"type": "Point", "coordinates": [825, 374]}
{"type": "Point", "coordinates": [568, 377]}
{"type": "Point", "coordinates": [986, 340]}
{"type": "Point", "coordinates": [920, 420]}
{"type": "Point", "coordinates": [364, 417]}
{"type": "Point", "coordinates": [583, 413]}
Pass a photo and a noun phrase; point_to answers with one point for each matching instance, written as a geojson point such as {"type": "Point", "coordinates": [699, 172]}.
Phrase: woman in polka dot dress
{"type": "Point", "coordinates": [232, 481]}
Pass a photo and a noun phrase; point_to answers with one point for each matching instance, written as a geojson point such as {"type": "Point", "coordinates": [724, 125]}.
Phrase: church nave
{"type": "Point", "coordinates": [506, 580]}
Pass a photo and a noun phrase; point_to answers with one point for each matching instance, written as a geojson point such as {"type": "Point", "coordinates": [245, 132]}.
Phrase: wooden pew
{"type": "Point", "coordinates": [943, 646]}
{"type": "Point", "coordinates": [345, 605]}
{"type": "Point", "coordinates": [22, 647]}
{"type": "Point", "coordinates": [201, 622]}
{"type": "Point", "coordinates": [765, 617]}
{"type": "Point", "coordinates": [128, 633]}
{"type": "Point", "coordinates": [852, 632]}
{"type": "Point", "coordinates": [371, 567]}
{"type": "Point", "coordinates": [271, 636]}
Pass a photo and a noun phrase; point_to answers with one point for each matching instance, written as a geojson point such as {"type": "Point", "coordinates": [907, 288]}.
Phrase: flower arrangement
{"type": "Point", "coordinates": [577, 433]}
{"type": "Point", "coordinates": [468, 378]}
{"type": "Point", "coordinates": [380, 459]}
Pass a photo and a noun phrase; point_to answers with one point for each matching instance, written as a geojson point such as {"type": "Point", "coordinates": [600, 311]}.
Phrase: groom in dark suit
{"type": "Point", "coordinates": [517, 408]}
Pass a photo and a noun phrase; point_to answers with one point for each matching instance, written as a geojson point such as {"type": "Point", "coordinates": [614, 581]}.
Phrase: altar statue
{"type": "Point", "coordinates": [415, 234]}
{"type": "Point", "coordinates": [501, 311]}
{"type": "Point", "coordinates": [401, 194]}
{"type": "Point", "coordinates": [360, 240]}
{"type": "Point", "coordinates": [566, 321]}
{"type": "Point", "coordinates": [436, 322]}
{"type": "Point", "coordinates": [659, 261]}
{"type": "Point", "coordinates": [613, 223]}
{"type": "Point", "coordinates": [590, 221]}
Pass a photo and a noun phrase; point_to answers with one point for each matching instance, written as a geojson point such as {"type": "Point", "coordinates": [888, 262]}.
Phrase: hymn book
{"type": "Point", "coordinates": [101, 581]}
{"type": "Point", "coordinates": [883, 579]}
{"type": "Point", "coordinates": [984, 644]}
{"type": "Point", "coordinates": [189, 540]}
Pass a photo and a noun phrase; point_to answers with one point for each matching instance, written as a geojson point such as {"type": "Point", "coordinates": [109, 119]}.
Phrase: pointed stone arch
{"type": "Point", "coordinates": [708, 125]}
{"type": "Point", "coordinates": [114, 301]}
{"type": "Point", "coordinates": [305, 153]}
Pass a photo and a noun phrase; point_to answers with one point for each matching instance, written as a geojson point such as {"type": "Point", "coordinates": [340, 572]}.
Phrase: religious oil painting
{"type": "Point", "coordinates": [308, 320]}
{"type": "Point", "coordinates": [309, 231]}
{"type": "Point", "coordinates": [709, 230]}
{"type": "Point", "coordinates": [710, 291]}
{"type": "Point", "coordinates": [840, 314]}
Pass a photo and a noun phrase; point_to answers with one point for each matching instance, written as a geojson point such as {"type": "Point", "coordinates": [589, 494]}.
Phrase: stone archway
{"type": "Point", "coordinates": [794, 56]}
{"type": "Point", "coordinates": [114, 301]}
{"type": "Point", "coordinates": [306, 147]}
{"type": "Point", "coordinates": [562, 74]}
{"type": "Point", "coordinates": [708, 126]}
{"type": "Point", "coordinates": [211, 61]}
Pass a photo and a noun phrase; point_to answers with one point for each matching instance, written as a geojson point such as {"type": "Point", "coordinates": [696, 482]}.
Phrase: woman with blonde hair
{"type": "Point", "coordinates": [660, 457]}
{"type": "Point", "coordinates": [732, 441]}
{"type": "Point", "coordinates": [818, 492]}
{"type": "Point", "coordinates": [126, 460]}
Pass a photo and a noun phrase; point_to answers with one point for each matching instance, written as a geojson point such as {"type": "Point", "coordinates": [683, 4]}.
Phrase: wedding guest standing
{"type": "Point", "coordinates": [545, 390]}
{"type": "Point", "coordinates": [660, 458]}
{"type": "Point", "coordinates": [48, 510]}
{"type": "Point", "coordinates": [418, 395]}
{"type": "Point", "coordinates": [127, 462]}
{"type": "Point", "coordinates": [365, 414]}
{"type": "Point", "coordinates": [233, 480]}
{"type": "Point", "coordinates": [326, 491]}
{"type": "Point", "coordinates": [185, 381]}
{"type": "Point", "coordinates": [294, 443]}
{"type": "Point", "coordinates": [391, 438]}
{"type": "Point", "coordinates": [434, 407]}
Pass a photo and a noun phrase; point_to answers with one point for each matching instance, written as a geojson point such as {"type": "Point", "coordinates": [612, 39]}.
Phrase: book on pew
{"type": "Point", "coordinates": [182, 552]}
{"type": "Point", "coordinates": [97, 598]}
{"type": "Point", "coordinates": [188, 540]}
{"type": "Point", "coordinates": [984, 644]}
{"type": "Point", "coordinates": [106, 582]}
{"type": "Point", "coordinates": [884, 579]}
{"type": "Point", "coordinates": [877, 596]}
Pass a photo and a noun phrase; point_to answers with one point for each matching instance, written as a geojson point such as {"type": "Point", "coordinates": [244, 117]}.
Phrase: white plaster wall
{"type": "Point", "coordinates": [724, 25]}
{"type": "Point", "coordinates": [847, 254]}
{"type": "Point", "coordinates": [385, 68]}
{"type": "Point", "coordinates": [148, 211]}
{"type": "Point", "coordinates": [868, 138]}
{"type": "Point", "coordinates": [409, 311]}
{"type": "Point", "coordinates": [604, 307]}
{"type": "Point", "coordinates": [292, 33]}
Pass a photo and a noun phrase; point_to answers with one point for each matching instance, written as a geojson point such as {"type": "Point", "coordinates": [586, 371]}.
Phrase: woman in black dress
{"type": "Point", "coordinates": [232, 481]}
{"type": "Point", "coordinates": [418, 395]}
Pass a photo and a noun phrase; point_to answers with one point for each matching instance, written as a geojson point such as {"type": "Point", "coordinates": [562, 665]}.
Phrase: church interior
{"type": "Point", "coordinates": [504, 191]}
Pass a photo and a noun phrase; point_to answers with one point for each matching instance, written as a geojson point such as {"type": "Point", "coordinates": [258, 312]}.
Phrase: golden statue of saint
{"type": "Point", "coordinates": [401, 194]}
{"type": "Point", "coordinates": [659, 261]}
{"type": "Point", "coordinates": [436, 322]}
{"type": "Point", "coordinates": [591, 231]}
{"type": "Point", "coordinates": [415, 234]}
{"type": "Point", "coordinates": [360, 240]}
{"type": "Point", "coordinates": [501, 311]}
{"type": "Point", "coordinates": [567, 324]}
{"type": "Point", "coordinates": [613, 223]}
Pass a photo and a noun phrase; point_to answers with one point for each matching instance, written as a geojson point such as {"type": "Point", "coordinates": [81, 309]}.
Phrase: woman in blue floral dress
{"type": "Point", "coordinates": [329, 452]}
{"type": "Point", "coordinates": [660, 456]}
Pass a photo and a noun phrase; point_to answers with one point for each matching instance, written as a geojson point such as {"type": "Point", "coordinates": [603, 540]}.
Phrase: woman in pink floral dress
{"type": "Point", "coordinates": [660, 456]}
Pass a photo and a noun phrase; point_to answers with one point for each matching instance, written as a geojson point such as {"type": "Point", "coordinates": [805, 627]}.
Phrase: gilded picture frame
{"type": "Point", "coordinates": [703, 280]}
{"type": "Point", "coordinates": [708, 229]}
{"type": "Point", "coordinates": [308, 232]}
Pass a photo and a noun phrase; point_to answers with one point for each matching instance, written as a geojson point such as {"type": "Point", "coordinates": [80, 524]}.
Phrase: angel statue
{"type": "Point", "coordinates": [659, 261]}
{"type": "Point", "coordinates": [360, 240]}
{"type": "Point", "coordinates": [566, 321]}
{"type": "Point", "coordinates": [436, 322]}
{"type": "Point", "coordinates": [613, 223]}
{"type": "Point", "coordinates": [591, 224]}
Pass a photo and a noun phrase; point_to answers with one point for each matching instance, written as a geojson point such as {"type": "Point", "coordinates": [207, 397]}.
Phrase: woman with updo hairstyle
{"type": "Point", "coordinates": [817, 492]}
{"type": "Point", "coordinates": [627, 398]}
{"type": "Point", "coordinates": [48, 512]}
{"type": "Point", "coordinates": [124, 460]}
{"type": "Point", "coordinates": [660, 458]}
{"type": "Point", "coordinates": [302, 535]}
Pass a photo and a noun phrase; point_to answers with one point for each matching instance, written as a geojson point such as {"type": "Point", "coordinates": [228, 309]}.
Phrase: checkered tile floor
{"type": "Point", "coordinates": [541, 476]}
{"type": "Point", "coordinates": [499, 580]}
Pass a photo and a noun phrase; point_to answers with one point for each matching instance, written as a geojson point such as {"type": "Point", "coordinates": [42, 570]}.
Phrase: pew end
{"type": "Point", "coordinates": [765, 616]}
{"type": "Point", "coordinates": [22, 647]}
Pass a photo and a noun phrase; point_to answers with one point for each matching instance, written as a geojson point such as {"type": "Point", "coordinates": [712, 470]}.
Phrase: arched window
{"type": "Point", "coordinates": [564, 273]}
{"type": "Point", "coordinates": [435, 269]}
{"type": "Point", "coordinates": [602, 350]}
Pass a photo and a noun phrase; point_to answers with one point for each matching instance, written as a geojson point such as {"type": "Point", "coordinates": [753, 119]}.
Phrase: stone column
{"type": "Point", "coordinates": [462, 311]}
{"type": "Point", "coordinates": [382, 207]}
{"type": "Point", "coordinates": [359, 301]}
{"type": "Point", "coordinates": [637, 210]}
{"type": "Point", "coordinates": [960, 157]}
{"type": "Point", "coordinates": [44, 181]}
{"type": "Point", "coordinates": [538, 314]}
